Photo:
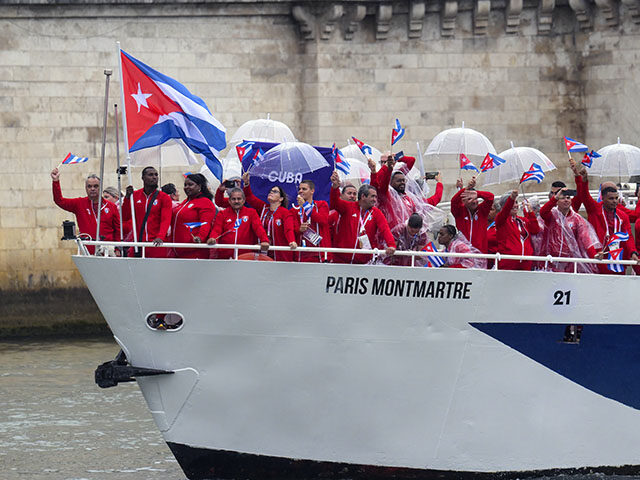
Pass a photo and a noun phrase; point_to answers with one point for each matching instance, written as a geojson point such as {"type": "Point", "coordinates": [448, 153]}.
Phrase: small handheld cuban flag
{"type": "Point", "coordinates": [434, 261]}
{"type": "Point", "coordinates": [341, 163]}
{"type": "Point", "coordinates": [307, 208]}
{"type": "Point", "coordinates": [397, 133]}
{"type": "Point", "coordinates": [617, 237]}
{"type": "Point", "coordinates": [574, 146]}
{"type": "Point", "coordinates": [587, 160]}
{"type": "Point", "coordinates": [465, 163]}
{"type": "Point", "coordinates": [243, 149]}
{"type": "Point", "coordinates": [615, 255]}
{"type": "Point", "coordinates": [192, 225]}
{"type": "Point", "coordinates": [237, 224]}
{"type": "Point", "coordinates": [490, 162]}
{"type": "Point", "coordinates": [257, 158]}
{"type": "Point", "coordinates": [364, 148]}
{"type": "Point", "coordinates": [534, 173]}
{"type": "Point", "coordinates": [71, 159]}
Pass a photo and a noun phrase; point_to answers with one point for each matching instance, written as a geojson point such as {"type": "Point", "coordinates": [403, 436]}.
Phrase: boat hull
{"type": "Point", "coordinates": [423, 370]}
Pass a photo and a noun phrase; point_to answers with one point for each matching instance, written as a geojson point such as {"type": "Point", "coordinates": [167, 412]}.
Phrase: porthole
{"type": "Point", "coordinates": [169, 321]}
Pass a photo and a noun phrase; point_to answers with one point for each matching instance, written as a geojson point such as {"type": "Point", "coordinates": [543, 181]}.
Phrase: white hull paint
{"type": "Point", "coordinates": [271, 362]}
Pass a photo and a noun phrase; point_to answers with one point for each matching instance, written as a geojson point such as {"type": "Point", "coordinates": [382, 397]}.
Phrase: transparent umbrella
{"type": "Point", "coordinates": [287, 165]}
{"type": "Point", "coordinates": [617, 160]}
{"type": "Point", "coordinates": [358, 175]}
{"type": "Point", "coordinates": [454, 141]}
{"type": "Point", "coordinates": [263, 130]}
{"type": "Point", "coordinates": [517, 161]}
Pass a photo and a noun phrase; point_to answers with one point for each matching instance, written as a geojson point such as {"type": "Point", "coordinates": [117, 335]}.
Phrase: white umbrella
{"type": "Point", "coordinates": [359, 173]}
{"type": "Point", "coordinates": [617, 160]}
{"type": "Point", "coordinates": [263, 130]}
{"type": "Point", "coordinates": [352, 151]}
{"type": "Point", "coordinates": [517, 161]}
{"type": "Point", "coordinates": [455, 141]}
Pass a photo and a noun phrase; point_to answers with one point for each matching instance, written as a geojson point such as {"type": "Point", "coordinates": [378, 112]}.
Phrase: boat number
{"type": "Point", "coordinates": [562, 298]}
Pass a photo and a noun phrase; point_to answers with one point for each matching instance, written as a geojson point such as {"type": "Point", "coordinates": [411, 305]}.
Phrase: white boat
{"type": "Point", "coordinates": [292, 370]}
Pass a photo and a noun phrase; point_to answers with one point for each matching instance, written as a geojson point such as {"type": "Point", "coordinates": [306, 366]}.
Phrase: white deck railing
{"type": "Point", "coordinates": [82, 250]}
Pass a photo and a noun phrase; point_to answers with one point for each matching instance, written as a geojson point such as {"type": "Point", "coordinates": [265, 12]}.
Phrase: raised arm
{"type": "Point", "coordinates": [545, 211]}
{"type": "Point", "coordinates": [504, 214]}
{"type": "Point", "coordinates": [219, 199]}
{"type": "Point", "coordinates": [487, 202]}
{"type": "Point", "coordinates": [252, 200]}
{"type": "Point", "coordinates": [437, 196]}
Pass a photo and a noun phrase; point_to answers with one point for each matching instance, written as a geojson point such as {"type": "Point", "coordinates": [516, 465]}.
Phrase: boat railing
{"type": "Point", "coordinates": [497, 257]}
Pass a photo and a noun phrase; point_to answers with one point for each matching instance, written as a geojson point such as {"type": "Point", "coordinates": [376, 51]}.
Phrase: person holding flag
{"type": "Point", "coordinates": [360, 223]}
{"type": "Point", "coordinates": [275, 218]}
{"type": "Point", "coordinates": [236, 225]}
{"type": "Point", "coordinates": [86, 209]}
{"type": "Point", "coordinates": [514, 233]}
{"type": "Point", "coordinates": [398, 203]}
{"type": "Point", "coordinates": [471, 208]}
{"type": "Point", "coordinates": [608, 219]}
{"type": "Point", "coordinates": [152, 209]}
{"type": "Point", "coordinates": [567, 234]}
{"type": "Point", "coordinates": [192, 219]}
{"type": "Point", "coordinates": [311, 223]}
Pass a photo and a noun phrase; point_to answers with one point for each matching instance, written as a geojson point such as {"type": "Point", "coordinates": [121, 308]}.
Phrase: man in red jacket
{"type": "Point", "coordinates": [311, 222]}
{"type": "Point", "coordinates": [398, 205]}
{"type": "Point", "coordinates": [86, 209]}
{"type": "Point", "coordinates": [360, 223]}
{"type": "Point", "coordinates": [349, 194]}
{"type": "Point", "coordinates": [607, 219]}
{"type": "Point", "coordinates": [471, 215]}
{"type": "Point", "coordinates": [158, 203]}
{"type": "Point", "coordinates": [236, 225]}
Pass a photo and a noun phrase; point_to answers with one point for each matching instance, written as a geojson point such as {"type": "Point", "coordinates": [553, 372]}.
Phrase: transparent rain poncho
{"type": "Point", "coordinates": [398, 208]}
{"type": "Point", "coordinates": [460, 244]}
{"type": "Point", "coordinates": [569, 236]}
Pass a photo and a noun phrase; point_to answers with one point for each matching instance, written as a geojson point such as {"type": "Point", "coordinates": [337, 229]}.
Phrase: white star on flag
{"type": "Point", "coordinates": [141, 98]}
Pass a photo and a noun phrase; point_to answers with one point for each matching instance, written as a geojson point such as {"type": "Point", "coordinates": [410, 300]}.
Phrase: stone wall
{"type": "Point", "coordinates": [527, 73]}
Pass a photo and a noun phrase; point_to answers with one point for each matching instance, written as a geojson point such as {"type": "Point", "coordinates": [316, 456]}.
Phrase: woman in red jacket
{"type": "Point", "coordinates": [275, 219]}
{"type": "Point", "coordinates": [514, 234]}
{"type": "Point", "coordinates": [192, 219]}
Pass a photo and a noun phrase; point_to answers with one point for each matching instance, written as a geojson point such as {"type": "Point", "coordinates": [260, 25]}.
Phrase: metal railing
{"type": "Point", "coordinates": [497, 257]}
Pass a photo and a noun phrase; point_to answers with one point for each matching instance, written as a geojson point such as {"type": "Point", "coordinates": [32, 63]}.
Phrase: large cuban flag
{"type": "Point", "coordinates": [158, 109]}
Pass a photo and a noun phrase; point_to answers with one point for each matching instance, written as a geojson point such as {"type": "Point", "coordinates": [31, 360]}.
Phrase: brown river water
{"type": "Point", "coordinates": [57, 424]}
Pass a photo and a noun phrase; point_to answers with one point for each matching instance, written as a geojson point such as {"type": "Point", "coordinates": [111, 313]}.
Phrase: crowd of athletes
{"type": "Point", "coordinates": [390, 214]}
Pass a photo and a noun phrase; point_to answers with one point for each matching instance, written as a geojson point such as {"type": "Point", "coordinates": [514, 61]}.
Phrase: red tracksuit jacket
{"type": "Point", "coordinates": [278, 224]}
{"type": "Point", "coordinates": [514, 236]}
{"type": "Point", "coordinates": [158, 222]}
{"type": "Point", "coordinates": [199, 209]}
{"type": "Point", "coordinates": [319, 222]}
{"type": "Point", "coordinates": [352, 220]}
{"type": "Point", "coordinates": [607, 224]}
{"type": "Point", "coordinates": [87, 216]}
{"type": "Point", "coordinates": [249, 231]}
{"type": "Point", "coordinates": [473, 225]}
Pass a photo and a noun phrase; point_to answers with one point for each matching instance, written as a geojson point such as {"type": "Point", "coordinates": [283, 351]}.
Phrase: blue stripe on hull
{"type": "Point", "coordinates": [605, 361]}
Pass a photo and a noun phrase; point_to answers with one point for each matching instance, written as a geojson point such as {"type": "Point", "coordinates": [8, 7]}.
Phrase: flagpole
{"type": "Point", "coordinates": [126, 144]}
{"type": "Point", "coordinates": [120, 199]}
{"type": "Point", "coordinates": [107, 73]}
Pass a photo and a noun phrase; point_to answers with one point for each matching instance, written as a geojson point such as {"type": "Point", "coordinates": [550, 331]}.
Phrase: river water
{"type": "Point", "coordinates": [57, 424]}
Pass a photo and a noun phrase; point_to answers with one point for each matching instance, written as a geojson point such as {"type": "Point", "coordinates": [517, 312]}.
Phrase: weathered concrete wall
{"type": "Point", "coordinates": [329, 70]}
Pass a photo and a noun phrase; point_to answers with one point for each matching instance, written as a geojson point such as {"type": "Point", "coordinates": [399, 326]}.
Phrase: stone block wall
{"type": "Point", "coordinates": [330, 70]}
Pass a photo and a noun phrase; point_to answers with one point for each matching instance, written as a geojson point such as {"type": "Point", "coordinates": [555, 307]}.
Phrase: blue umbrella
{"type": "Point", "coordinates": [286, 165]}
